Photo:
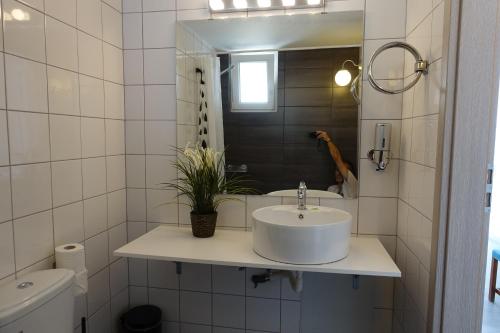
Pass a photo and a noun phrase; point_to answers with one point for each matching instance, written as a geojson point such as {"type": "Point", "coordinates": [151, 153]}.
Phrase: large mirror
{"type": "Point", "coordinates": [280, 94]}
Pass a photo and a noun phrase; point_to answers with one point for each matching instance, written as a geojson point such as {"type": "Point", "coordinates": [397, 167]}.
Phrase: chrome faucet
{"type": "Point", "coordinates": [302, 196]}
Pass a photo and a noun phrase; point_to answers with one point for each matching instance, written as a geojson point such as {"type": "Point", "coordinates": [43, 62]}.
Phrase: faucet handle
{"type": "Point", "coordinates": [302, 185]}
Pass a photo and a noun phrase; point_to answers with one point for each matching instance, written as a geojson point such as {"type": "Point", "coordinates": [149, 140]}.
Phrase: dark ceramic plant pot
{"type": "Point", "coordinates": [203, 225]}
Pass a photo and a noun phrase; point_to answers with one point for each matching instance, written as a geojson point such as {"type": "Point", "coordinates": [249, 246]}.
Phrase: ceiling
{"type": "Point", "coordinates": [281, 32]}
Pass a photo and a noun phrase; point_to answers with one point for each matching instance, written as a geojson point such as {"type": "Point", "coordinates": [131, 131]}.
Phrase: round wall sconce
{"type": "Point", "coordinates": [343, 78]}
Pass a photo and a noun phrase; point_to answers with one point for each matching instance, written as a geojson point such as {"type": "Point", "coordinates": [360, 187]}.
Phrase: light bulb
{"type": "Point", "coordinates": [216, 4]}
{"type": "Point", "coordinates": [343, 77]}
{"type": "Point", "coordinates": [288, 3]}
{"type": "Point", "coordinates": [264, 3]}
{"type": "Point", "coordinates": [240, 4]}
{"type": "Point", "coordinates": [18, 14]}
{"type": "Point", "coordinates": [313, 2]}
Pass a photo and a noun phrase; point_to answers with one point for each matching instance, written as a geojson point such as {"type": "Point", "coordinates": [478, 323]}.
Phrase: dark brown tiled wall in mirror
{"type": "Point", "coordinates": [276, 146]}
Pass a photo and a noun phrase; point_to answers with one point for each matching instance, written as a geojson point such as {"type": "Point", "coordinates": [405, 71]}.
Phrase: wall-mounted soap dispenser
{"type": "Point", "coordinates": [380, 155]}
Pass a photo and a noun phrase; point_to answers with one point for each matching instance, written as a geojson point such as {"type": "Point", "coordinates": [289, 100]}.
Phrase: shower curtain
{"type": "Point", "coordinates": [210, 122]}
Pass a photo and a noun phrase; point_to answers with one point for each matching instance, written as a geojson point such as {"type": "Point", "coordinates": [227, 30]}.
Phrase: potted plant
{"type": "Point", "coordinates": [202, 181]}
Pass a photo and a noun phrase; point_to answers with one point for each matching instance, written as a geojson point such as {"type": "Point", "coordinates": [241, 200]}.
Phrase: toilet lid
{"type": "Point", "coordinates": [19, 297]}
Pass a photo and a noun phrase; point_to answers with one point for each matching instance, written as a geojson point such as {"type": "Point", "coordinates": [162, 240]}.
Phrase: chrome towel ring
{"type": "Point", "coordinates": [421, 67]}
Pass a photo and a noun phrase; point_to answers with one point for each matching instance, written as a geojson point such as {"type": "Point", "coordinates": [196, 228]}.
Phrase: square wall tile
{"type": "Point", "coordinates": [136, 205]}
{"type": "Point", "coordinates": [61, 44]}
{"type": "Point", "coordinates": [159, 66]}
{"type": "Point", "coordinates": [90, 53]}
{"type": "Point", "coordinates": [378, 184]}
{"type": "Point", "coordinates": [111, 25]}
{"type": "Point", "coordinates": [98, 293]}
{"type": "Point", "coordinates": [5, 195]}
{"type": "Point", "coordinates": [113, 63]}
{"type": "Point", "coordinates": [4, 139]}
{"type": "Point", "coordinates": [64, 10]}
{"type": "Point", "coordinates": [159, 170]}
{"type": "Point", "coordinates": [117, 207]}
{"type": "Point", "coordinates": [37, 231]}
{"type": "Point", "coordinates": [66, 182]}
{"type": "Point", "coordinates": [167, 300]}
{"type": "Point", "coordinates": [160, 137]}
{"type": "Point", "coordinates": [93, 137]}
{"type": "Point", "coordinates": [159, 29]}
{"type": "Point", "coordinates": [263, 314]}
{"type": "Point", "coordinates": [91, 96]}
{"type": "Point", "coordinates": [162, 206]}
{"type": "Point", "coordinates": [134, 102]}
{"type": "Point", "coordinates": [133, 69]}
{"type": "Point", "coordinates": [28, 137]}
{"type": "Point", "coordinates": [101, 320]}
{"type": "Point", "coordinates": [115, 166]}
{"type": "Point", "coordinates": [157, 5]}
{"type": "Point", "coordinates": [117, 238]}
{"type": "Point", "coordinates": [229, 311]}
{"type": "Point", "coordinates": [114, 100]}
{"type": "Point", "coordinates": [115, 137]}
{"type": "Point", "coordinates": [290, 316]}
{"type": "Point", "coordinates": [31, 189]}
{"type": "Point", "coordinates": [134, 143]}
{"type": "Point", "coordinates": [160, 102]}
{"type": "Point", "coordinates": [135, 230]}
{"type": "Point", "coordinates": [232, 213]}
{"type": "Point", "coordinates": [136, 171]}
{"type": "Point", "coordinates": [383, 23]}
{"type": "Point", "coordinates": [138, 272]}
{"type": "Point", "coordinates": [138, 296]}
{"type": "Point", "coordinates": [132, 6]}
{"type": "Point", "coordinates": [228, 280]}
{"type": "Point", "coordinates": [162, 274]}
{"type": "Point", "coordinates": [64, 95]}
{"type": "Point", "coordinates": [7, 265]}
{"type": "Point", "coordinates": [68, 224]}
{"type": "Point", "coordinates": [89, 17]}
{"type": "Point", "coordinates": [196, 277]}
{"type": "Point", "coordinates": [26, 84]}
{"type": "Point", "coordinates": [95, 215]}
{"type": "Point", "coordinates": [118, 276]}
{"type": "Point", "coordinates": [25, 38]}
{"type": "Point", "coordinates": [65, 139]}
{"type": "Point", "coordinates": [132, 31]}
{"type": "Point", "coordinates": [94, 176]}
{"type": "Point", "coordinates": [196, 307]}
{"type": "Point", "coordinates": [377, 216]}
{"type": "Point", "coordinates": [96, 253]}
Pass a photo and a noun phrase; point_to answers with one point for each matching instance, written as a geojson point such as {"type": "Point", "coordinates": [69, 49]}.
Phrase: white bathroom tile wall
{"type": "Point", "coordinates": [64, 97]}
{"type": "Point", "coordinates": [424, 30]}
{"type": "Point", "coordinates": [58, 63]}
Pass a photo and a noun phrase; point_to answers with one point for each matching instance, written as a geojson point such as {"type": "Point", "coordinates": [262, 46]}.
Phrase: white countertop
{"type": "Point", "coordinates": [367, 256]}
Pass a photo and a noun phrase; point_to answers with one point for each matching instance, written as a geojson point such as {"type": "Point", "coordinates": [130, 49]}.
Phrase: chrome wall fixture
{"type": "Point", "coordinates": [421, 67]}
{"type": "Point", "coordinates": [224, 6]}
{"type": "Point", "coordinates": [381, 153]}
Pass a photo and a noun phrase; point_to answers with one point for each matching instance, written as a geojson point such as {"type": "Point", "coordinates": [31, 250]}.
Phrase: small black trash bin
{"type": "Point", "coordinates": [143, 319]}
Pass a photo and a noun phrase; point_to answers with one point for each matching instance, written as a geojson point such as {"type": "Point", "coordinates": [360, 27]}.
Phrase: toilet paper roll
{"type": "Point", "coordinates": [71, 256]}
{"type": "Point", "coordinates": [81, 283]}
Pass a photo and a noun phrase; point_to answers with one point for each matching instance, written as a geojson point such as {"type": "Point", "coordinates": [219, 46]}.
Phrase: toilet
{"type": "Point", "coordinates": [38, 302]}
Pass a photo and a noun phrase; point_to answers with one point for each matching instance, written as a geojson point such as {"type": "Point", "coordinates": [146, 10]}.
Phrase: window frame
{"type": "Point", "coordinates": [271, 58]}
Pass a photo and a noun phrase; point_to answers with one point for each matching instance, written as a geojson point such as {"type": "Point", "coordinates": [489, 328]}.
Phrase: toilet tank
{"type": "Point", "coordinates": [40, 302]}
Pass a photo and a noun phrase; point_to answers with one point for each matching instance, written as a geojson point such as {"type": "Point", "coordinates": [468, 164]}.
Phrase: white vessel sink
{"type": "Point", "coordinates": [310, 194]}
{"type": "Point", "coordinates": [317, 235]}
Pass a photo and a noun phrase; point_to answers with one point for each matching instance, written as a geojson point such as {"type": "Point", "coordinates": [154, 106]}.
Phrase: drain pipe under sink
{"type": "Point", "coordinates": [294, 277]}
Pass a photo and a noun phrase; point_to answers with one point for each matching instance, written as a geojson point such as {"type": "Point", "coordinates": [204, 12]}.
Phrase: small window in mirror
{"type": "Point", "coordinates": [254, 82]}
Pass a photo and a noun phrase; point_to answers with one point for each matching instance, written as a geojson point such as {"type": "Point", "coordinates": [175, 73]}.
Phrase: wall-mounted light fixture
{"type": "Point", "coordinates": [218, 6]}
{"type": "Point", "coordinates": [343, 78]}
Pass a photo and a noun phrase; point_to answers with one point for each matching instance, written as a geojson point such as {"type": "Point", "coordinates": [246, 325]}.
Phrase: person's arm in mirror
{"type": "Point", "coordinates": [334, 152]}
{"type": "Point", "coordinates": [347, 184]}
